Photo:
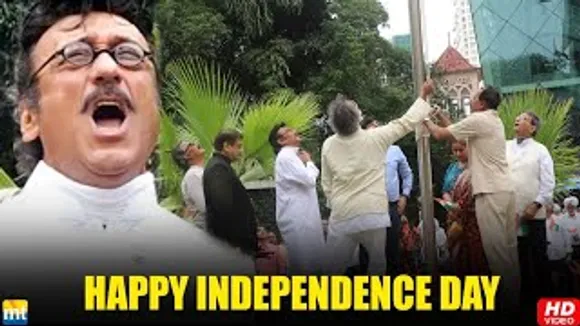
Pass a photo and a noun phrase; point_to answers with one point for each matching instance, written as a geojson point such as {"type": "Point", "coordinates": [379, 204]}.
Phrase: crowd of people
{"type": "Point", "coordinates": [498, 195]}
{"type": "Point", "coordinates": [353, 182]}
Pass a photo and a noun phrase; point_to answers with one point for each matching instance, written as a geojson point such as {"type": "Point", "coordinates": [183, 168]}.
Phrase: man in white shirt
{"type": "Point", "coordinates": [532, 173]}
{"type": "Point", "coordinates": [192, 156]}
{"type": "Point", "coordinates": [297, 209]}
{"type": "Point", "coordinates": [88, 97]}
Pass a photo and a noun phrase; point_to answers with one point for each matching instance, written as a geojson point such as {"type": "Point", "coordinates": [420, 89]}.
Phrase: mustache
{"type": "Point", "coordinates": [107, 91]}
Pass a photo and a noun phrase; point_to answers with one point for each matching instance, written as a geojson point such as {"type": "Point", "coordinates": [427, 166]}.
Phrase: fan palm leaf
{"type": "Point", "coordinates": [297, 111]}
{"type": "Point", "coordinates": [205, 99]}
{"type": "Point", "coordinates": [170, 173]}
{"type": "Point", "coordinates": [554, 119]}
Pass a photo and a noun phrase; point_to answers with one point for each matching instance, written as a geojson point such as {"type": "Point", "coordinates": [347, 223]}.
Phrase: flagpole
{"type": "Point", "coordinates": [422, 139]}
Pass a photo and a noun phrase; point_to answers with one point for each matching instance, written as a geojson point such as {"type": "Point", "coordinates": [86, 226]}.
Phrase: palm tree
{"type": "Point", "coordinates": [201, 100]}
{"type": "Point", "coordinates": [554, 119]}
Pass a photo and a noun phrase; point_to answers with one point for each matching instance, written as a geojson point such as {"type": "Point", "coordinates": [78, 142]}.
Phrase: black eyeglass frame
{"type": "Point", "coordinates": [96, 53]}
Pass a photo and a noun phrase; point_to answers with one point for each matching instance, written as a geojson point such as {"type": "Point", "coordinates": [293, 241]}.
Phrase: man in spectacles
{"type": "Point", "coordinates": [88, 101]}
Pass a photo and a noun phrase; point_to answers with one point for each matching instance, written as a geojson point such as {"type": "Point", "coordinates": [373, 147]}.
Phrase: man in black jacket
{"type": "Point", "coordinates": [230, 213]}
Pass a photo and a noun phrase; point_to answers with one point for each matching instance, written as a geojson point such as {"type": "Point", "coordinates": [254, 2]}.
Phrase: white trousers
{"type": "Point", "coordinates": [305, 250]}
{"type": "Point", "coordinates": [340, 247]}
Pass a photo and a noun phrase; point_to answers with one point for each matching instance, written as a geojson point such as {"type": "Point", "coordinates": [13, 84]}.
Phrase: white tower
{"type": "Point", "coordinates": [463, 34]}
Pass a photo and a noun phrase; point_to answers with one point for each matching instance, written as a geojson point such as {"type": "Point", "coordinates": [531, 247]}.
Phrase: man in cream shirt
{"type": "Point", "coordinates": [88, 98]}
{"type": "Point", "coordinates": [492, 187]}
{"type": "Point", "coordinates": [353, 174]}
{"type": "Point", "coordinates": [532, 172]}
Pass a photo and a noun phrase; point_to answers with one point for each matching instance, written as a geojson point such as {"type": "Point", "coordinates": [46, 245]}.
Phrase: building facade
{"type": "Point", "coordinates": [530, 44]}
{"type": "Point", "coordinates": [459, 81]}
{"type": "Point", "coordinates": [463, 33]}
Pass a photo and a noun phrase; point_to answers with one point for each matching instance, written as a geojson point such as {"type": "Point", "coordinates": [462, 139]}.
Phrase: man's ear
{"type": "Point", "coordinates": [29, 122]}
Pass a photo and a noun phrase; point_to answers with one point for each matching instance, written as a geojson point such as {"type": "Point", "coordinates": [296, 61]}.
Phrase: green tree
{"type": "Point", "coordinates": [10, 12]}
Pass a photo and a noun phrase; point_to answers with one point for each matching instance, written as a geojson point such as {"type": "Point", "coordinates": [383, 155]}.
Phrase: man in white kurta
{"type": "Point", "coordinates": [532, 174]}
{"type": "Point", "coordinates": [297, 210]}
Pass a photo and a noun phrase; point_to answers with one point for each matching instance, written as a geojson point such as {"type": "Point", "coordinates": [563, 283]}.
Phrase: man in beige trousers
{"type": "Point", "coordinates": [493, 191]}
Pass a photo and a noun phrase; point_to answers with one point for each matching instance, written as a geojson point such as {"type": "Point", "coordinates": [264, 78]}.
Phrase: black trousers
{"type": "Point", "coordinates": [534, 267]}
{"type": "Point", "coordinates": [392, 246]}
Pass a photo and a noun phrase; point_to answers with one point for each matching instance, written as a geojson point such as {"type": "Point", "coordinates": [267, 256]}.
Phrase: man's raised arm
{"type": "Point", "coordinates": [399, 128]}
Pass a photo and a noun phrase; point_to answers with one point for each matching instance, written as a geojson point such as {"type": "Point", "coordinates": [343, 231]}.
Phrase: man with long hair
{"type": "Point", "coordinates": [353, 174]}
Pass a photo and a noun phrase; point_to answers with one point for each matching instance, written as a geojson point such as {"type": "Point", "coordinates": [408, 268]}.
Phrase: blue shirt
{"type": "Point", "coordinates": [397, 168]}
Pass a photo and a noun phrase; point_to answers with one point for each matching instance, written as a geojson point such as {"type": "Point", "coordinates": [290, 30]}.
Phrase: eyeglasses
{"type": "Point", "coordinates": [80, 53]}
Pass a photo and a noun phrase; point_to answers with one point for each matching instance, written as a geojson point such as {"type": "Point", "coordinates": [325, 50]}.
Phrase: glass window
{"type": "Point", "coordinates": [475, 4]}
{"type": "Point", "coordinates": [539, 44]}
{"type": "Point", "coordinates": [487, 26]}
{"type": "Point", "coordinates": [553, 4]}
{"type": "Point", "coordinates": [510, 42]}
{"type": "Point", "coordinates": [504, 8]}
{"type": "Point", "coordinates": [529, 18]}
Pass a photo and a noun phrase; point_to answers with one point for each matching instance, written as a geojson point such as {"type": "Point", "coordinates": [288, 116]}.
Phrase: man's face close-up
{"type": "Point", "coordinates": [234, 151]}
{"type": "Point", "coordinates": [98, 121]}
{"type": "Point", "coordinates": [523, 125]}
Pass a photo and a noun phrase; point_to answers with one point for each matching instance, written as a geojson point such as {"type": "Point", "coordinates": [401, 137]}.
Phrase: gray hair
{"type": "Point", "coordinates": [535, 121]}
{"type": "Point", "coordinates": [571, 201]}
{"type": "Point", "coordinates": [344, 116]}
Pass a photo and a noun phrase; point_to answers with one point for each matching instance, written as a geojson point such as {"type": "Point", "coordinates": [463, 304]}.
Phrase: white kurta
{"type": "Point", "coordinates": [571, 227]}
{"type": "Point", "coordinates": [56, 225]}
{"type": "Point", "coordinates": [193, 196]}
{"type": "Point", "coordinates": [532, 173]}
{"type": "Point", "coordinates": [558, 244]}
{"type": "Point", "coordinates": [298, 213]}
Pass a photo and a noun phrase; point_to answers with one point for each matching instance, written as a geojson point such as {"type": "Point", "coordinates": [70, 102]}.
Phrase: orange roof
{"type": "Point", "coordinates": [452, 61]}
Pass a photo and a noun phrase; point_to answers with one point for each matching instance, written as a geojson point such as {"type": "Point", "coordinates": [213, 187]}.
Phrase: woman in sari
{"type": "Point", "coordinates": [454, 169]}
{"type": "Point", "coordinates": [464, 238]}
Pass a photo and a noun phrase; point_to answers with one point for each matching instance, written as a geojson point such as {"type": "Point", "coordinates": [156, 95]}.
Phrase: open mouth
{"type": "Point", "coordinates": [109, 115]}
